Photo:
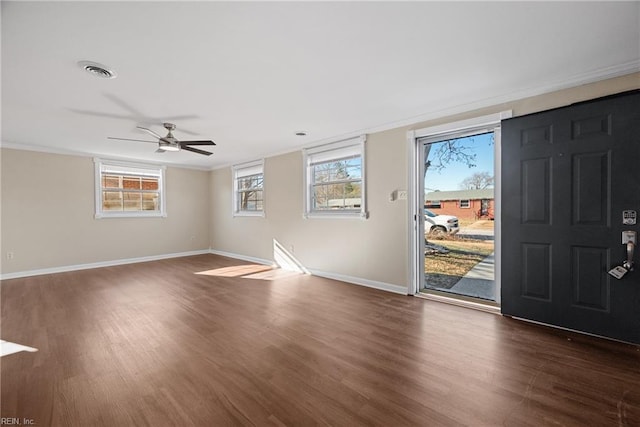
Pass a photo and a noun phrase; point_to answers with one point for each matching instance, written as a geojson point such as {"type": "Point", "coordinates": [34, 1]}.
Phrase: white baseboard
{"type": "Point", "coordinates": [335, 276]}
{"type": "Point", "coordinates": [362, 282]}
{"type": "Point", "coordinates": [65, 268]}
{"type": "Point", "coordinates": [242, 257]}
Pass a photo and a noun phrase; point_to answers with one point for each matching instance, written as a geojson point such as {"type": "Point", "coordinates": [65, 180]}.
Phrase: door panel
{"type": "Point", "coordinates": [536, 191]}
{"type": "Point", "coordinates": [567, 176]}
{"type": "Point", "coordinates": [591, 188]}
{"type": "Point", "coordinates": [589, 277]}
{"type": "Point", "coordinates": [536, 271]}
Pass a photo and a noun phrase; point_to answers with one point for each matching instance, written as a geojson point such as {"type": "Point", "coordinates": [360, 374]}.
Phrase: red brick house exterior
{"type": "Point", "coordinates": [465, 204]}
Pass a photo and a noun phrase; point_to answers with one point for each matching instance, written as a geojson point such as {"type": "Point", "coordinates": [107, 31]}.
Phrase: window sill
{"type": "Point", "coordinates": [103, 215]}
{"type": "Point", "coordinates": [249, 214]}
{"type": "Point", "coordinates": [337, 215]}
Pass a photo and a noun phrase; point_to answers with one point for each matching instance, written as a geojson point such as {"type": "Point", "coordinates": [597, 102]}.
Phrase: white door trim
{"type": "Point", "coordinates": [488, 123]}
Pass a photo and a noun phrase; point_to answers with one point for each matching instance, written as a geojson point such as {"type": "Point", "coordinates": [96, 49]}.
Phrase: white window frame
{"type": "Point", "coordinates": [142, 169]}
{"type": "Point", "coordinates": [244, 170]}
{"type": "Point", "coordinates": [467, 202]}
{"type": "Point", "coordinates": [433, 204]}
{"type": "Point", "coordinates": [326, 152]}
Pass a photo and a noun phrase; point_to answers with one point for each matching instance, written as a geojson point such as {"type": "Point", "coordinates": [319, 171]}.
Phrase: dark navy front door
{"type": "Point", "coordinates": [568, 174]}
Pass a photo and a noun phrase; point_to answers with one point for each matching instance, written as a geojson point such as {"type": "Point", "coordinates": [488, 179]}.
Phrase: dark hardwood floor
{"type": "Point", "coordinates": [154, 344]}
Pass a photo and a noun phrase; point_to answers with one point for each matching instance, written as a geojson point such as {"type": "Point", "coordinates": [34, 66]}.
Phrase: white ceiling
{"type": "Point", "coordinates": [249, 75]}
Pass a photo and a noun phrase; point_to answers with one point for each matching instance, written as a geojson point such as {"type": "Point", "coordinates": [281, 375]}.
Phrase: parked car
{"type": "Point", "coordinates": [440, 224]}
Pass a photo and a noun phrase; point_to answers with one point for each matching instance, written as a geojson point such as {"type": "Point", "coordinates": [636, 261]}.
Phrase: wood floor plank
{"type": "Point", "coordinates": [159, 344]}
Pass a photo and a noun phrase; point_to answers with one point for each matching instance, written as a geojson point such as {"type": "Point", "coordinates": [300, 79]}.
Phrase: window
{"type": "Point", "coordinates": [128, 189]}
{"type": "Point", "coordinates": [465, 204]}
{"type": "Point", "coordinates": [248, 190]}
{"type": "Point", "coordinates": [432, 204]}
{"type": "Point", "coordinates": [335, 179]}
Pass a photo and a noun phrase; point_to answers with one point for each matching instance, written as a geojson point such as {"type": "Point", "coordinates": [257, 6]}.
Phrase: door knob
{"type": "Point", "coordinates": [629, 239]}
{"type": "Point", "coordinates": [628, 264]}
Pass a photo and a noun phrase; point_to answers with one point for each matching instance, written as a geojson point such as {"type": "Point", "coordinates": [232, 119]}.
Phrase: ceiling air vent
{"type": "Point", "coordinates": [97, 70]}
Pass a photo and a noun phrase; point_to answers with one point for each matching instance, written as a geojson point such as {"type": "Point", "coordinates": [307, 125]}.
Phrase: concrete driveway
{"type": "Point", "coordinates": [481, 230]}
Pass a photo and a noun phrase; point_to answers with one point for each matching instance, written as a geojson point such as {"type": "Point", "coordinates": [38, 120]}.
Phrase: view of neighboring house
{"type": "Point", "coordinates": [465, 204]}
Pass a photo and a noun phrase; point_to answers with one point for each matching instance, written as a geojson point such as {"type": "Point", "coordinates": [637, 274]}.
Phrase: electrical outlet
{"type": "Point", "coordinates": [10, 255]}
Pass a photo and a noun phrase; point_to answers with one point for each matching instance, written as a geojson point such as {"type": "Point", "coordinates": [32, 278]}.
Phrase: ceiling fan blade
{"type": "Point", "coordinates": [183, 130]}
{"type": "Point", "coordinates": [100, 114]}
{"type": "Point", "coordinates": [195, 150]}
{"type": "Point", "coordinates": [209, 142]}
{"type": "Point", "coordinates": [129, 139]}
{"type": "Point", "coordinates": [149, 131]}
{"type": "Point", "coordinates": [124, 105]}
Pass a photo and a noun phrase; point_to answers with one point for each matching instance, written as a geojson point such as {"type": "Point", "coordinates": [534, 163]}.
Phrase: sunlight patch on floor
{"type": "Point", "coordinates": [237, 270]}
{"type": "Point", "coordinates": [286, 265]}
{"type": "Point", "coordinates": [274, 274]}
{"type": "Point", "coordinates": [251, 271]}
{"type": "Point", "coordinates": [9, 347]}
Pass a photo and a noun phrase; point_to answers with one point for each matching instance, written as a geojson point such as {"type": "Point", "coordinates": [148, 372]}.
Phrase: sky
{"type": "Point", "coordinates": [454, 173]}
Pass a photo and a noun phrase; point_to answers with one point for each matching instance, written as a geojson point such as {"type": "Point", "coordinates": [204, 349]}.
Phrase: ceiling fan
{"type": "Point", "coordinates": [169, 142]}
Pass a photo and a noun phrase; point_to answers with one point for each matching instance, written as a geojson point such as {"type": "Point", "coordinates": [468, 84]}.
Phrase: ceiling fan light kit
{"type": "Point", "coordinates": [167, 146]}
{"type": "Point", "coordinates": [169, 142]}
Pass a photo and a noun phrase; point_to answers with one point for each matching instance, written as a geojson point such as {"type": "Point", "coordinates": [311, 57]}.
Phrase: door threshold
{"type": "Point", "coordinates": [459, 300]}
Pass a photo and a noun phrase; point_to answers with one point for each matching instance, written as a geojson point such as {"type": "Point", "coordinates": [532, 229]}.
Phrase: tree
{"type": "Point", "coordinates": [456, 150]}
{"type": "Point", "coordinates": [477, 181]}
{"type": "Point", "coordinates": [449, 151]}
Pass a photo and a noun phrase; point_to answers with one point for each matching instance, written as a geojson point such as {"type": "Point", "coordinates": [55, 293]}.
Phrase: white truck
{"type": "Point", "coordinates": [440, 224]}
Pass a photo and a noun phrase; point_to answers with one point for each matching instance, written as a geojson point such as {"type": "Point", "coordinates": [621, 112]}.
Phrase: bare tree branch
{"type": "Point", "coordinates": [453, 150]}
{"type": "Point", "coordinates": [477, 181]}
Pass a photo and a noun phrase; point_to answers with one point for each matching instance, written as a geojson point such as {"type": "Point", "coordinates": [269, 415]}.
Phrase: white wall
{"type": "Point", "coordinates": [48, 215]}
{"type": "Point", "coordinates": [352, 247]}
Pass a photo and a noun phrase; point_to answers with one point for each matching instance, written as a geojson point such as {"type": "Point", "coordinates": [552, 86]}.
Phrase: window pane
{"type": "Point", "coordinates": [337, 196]}
{"type": "Point", "coordinates": [353, 168]}
{"type": "Point", "coordinates": [335, 178]}
{"type": "Point", "coordinates": [250, 182]}
{"type": "Point", "coordinates": [150, 201]}
{"type": "Point", "coordinates": [132, 201]}
{"type": "Point", "coordinates": [145, 199]}
{"type": "Point", "coordinates": [249, 196]}
{"type": "Point", "coordinates": [337, 170]}
{"type": "Point", "coordinates": [110, 181]}
{"type": "Point", "coordinates": [250, 200]}
{"type": "Point", "coordinates": [112, 200]}
{"type": "Point", "coordinates": [150, 183]}
{"type": "Point", "coordinates": [244, 183]}
{"type": "Point", "coordinates": [131, 183]}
